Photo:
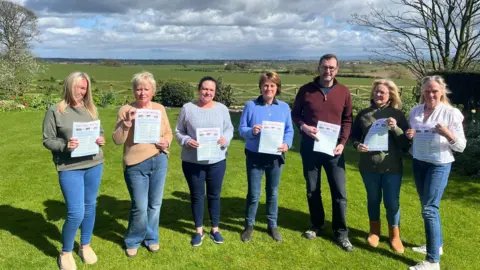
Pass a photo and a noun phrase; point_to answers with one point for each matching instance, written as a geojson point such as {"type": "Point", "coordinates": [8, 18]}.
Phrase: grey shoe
{"type": "Point", "coordinates": [275, 234]}
{"type": "Point", "coordinates": [311, 234]}
{"type": "Point", "coordinates": [426, 265]}
{"type": "Point", "coordinates": [247, 234]}
{"type": "Point", "coordinates": [344, 243]}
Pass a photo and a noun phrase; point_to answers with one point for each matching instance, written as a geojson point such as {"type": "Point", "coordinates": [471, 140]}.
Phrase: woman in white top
{"type": "Point", "coordinates": [431, 169]}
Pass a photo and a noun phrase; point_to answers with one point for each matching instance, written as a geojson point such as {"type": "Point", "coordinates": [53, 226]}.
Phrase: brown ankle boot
{"type": "Point", "coordinates": [395, 242]}
{"type": "Point", "coordinates": [374, 235]}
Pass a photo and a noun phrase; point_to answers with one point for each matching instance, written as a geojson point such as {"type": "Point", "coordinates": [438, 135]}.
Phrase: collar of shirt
{"type": "Point", "coordinates": [262, 102]}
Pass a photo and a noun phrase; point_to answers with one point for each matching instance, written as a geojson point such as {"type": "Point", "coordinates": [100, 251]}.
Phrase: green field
{"type": "Point", "coordinates": [245, 85]}
{"type": "Point", "coordinates": [32, 213]}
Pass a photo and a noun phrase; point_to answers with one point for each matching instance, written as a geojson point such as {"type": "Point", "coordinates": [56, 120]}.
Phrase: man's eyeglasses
{"type": "Point", "coordinates": [329, 68]}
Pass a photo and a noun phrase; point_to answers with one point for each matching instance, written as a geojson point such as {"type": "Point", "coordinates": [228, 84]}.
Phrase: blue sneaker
{"type": "Point", "coordinates": [216, 237]}
{"type": "Point", "coordinates": [197, 239]}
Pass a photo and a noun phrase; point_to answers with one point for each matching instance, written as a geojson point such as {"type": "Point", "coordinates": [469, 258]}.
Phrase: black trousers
{"type": "Point", "coordinates": [335, 170]}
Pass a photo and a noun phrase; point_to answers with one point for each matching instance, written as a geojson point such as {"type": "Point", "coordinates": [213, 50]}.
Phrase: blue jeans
{"type": "Point", "coordinates": [197, 176]}
{"type": "Point", "coordinates": [431, 180]}
{"type": "Point", "coordinates": [389, 184]}
{"type": "Point", "coordinates": [255, 173]}
{"type": "Point", "coordinates": [80, 190]}
{"type": "Point", "coordinates": [145, 182]}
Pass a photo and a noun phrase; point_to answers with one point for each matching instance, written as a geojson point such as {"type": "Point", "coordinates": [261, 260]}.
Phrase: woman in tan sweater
{"type": "Point", "coordinates": [145, 166]}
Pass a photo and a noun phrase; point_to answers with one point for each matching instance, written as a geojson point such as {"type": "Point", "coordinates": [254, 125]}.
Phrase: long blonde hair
{"type": "Point", "coordinates": [395, 101]}
{"type": "Point", "coordinates": [68, 94]}
{"type": "Point", "coordinates": [443, 85]}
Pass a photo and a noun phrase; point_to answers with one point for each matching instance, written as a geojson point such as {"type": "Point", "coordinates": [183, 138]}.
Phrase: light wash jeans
{"type": "Point", "coordinates": [145, 182]}
{"type": "Point", "coordinates": [431, 180]}
{"type": "Point", "coordinates": [80, 190]}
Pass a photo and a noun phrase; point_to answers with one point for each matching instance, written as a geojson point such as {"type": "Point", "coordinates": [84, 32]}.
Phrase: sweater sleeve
{"type": "Point", "coordinates": [120, 133]}
{"type": "Point", "coordinates": [227, 126]}
{"type": "Point", "coordinates": [288, 133]}
{"type": "Point", "coordinates": [243, 128]}
{"type": "Point", "coordinates": [180, 129]}
{"type": "Point", "coordinates": [50, 139]}
{"type": "Point", "coordinates": [346, 124]}
{"type": "Point", "coordinates": [399, 132]}
{"type": "Point", "coordinates": [297, 111]}
{"type": "Point", "coordinates": [167, 130]}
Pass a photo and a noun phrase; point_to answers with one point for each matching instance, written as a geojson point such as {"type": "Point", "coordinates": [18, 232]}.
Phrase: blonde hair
{"type": "Point", "coordinates": [395, 101]}
{"type": "Point", "coordinates": [443, 85]}
{"type": "Point", "coordinates": [144, 77]}
{"type": "Point", "coordinates": [69, 97]}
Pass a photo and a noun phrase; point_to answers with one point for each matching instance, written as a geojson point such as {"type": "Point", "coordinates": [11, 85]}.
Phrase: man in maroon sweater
{"type": "Point", "coordinates": [325, 100]}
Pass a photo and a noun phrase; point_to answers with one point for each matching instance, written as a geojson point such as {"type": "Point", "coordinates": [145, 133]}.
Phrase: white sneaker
{"type": "Point", "coordinates": [423, 249]}
{"type": "Point", "coordinates": [426, 265]}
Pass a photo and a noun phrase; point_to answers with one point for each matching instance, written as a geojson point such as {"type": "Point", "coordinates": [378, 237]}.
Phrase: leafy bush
{"type": "Point", "coordinates": [468, 163]}
{"type": "Point", "coordinates": [224, 93]}
{"type": "Point", "coordinates": [175, 93]}
{"type": "Point", "coordinates": [104, 98]}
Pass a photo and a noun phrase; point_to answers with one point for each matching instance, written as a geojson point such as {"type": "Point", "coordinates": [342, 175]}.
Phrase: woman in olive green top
{"type": "Point", "coordinates": [382, 170]}
{"type": "Point", "coordinates": [79, 177]}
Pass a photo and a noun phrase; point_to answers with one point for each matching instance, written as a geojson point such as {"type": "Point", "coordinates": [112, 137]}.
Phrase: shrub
{"type": "Point", "coordinates": [175, 93]}
{"type": "Point", "coordinates": [224, 93]}
{"type": "Point", "coordinates": [468, 163]}
{"type": "Point", "coordinates": [104, 98]}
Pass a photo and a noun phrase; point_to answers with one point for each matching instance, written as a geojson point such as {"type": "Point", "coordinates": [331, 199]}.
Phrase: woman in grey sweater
{"type": "Point", "coordinates": [79, 177]}
{"type": "Point", "coordinates": [209, 119]}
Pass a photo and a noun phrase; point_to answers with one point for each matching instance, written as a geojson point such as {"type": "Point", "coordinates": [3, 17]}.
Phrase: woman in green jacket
{"type": "Point", "coordinates": [382, 170]}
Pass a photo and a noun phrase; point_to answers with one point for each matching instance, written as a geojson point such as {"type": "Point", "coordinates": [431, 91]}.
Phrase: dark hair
{"type": "Point", "coordinates": [272, 76]}
{"type": "Point", "coordinates": [206, 78]}
{"type": "Point", "coordinates": [327, 57]}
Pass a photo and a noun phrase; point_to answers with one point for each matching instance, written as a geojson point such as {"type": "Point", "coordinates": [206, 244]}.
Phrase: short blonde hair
{"type": "Point", "coordinates": [272, 76]}
{"type": "Point", "coordinates": [395, 101]}
{"type": "Point", "coordinates": [144, 77]}
{"type": "Point", "coordinates": [69, 97]}
{"type": "Point", "coordinates": [441, 82]}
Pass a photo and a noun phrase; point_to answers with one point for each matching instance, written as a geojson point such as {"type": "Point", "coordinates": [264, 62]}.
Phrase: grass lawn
{"type": "Point", "coordinates": [32, 213]}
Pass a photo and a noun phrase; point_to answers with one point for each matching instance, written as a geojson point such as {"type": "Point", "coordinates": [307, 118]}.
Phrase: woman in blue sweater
{"type": "Point", "coordinates": [259, 161]}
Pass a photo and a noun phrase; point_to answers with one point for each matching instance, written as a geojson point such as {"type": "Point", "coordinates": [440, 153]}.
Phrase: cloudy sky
{"type": "Point", "coordinates": [200, 29]}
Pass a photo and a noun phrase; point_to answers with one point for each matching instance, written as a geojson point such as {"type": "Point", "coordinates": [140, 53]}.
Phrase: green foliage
{"type": "Point", "coordinates": [30, 102]}
{"type": "Point", "coordinates": [468, 163]}
{"type": "Point", "coordinates": [224, 93]}
{"type": "Point", "coordinates": [103, 98]}
{"type": "Point", "coordinates": [175, 93]}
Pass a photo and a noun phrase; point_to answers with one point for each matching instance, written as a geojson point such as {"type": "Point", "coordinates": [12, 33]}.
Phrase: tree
{"type": "Point", "coordinates": [224, 93]}
{"type": "Point", "coordinates": [18, 27]}
{"type": "Point", "coordinates": [427, 36]}
{"type": "Point", "coordinates": [18, 66]}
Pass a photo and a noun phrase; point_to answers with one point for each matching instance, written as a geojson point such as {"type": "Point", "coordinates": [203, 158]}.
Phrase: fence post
{"type": "Point", "coordinates": [356, 91]}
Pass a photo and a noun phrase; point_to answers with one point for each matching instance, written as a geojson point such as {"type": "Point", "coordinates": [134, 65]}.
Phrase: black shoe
{"type": "Point", "coordinates": [344, 243]}
{"type": "Point", "coordinates": [247, 234]}
{"type": "Point", "coordinates": [275, 234]}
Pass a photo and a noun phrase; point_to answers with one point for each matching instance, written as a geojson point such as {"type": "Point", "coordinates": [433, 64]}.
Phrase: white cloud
{"type": "Point", "coordinates": [199, 28]}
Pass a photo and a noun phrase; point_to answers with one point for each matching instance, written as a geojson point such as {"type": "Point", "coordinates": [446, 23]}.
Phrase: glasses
{"type": "Point", "coordinates": [328, 67]}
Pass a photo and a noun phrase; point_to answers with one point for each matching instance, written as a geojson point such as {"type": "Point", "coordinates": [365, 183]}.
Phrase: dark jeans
{"type": "Point", "coordinates": [255, 171]}
{"type": "Point", "coordinates": [388, 184]}
{"type": "Point", "coordinates": [197, 175]}
{"type": "Point", "coordinates": [335, 169]}
{"type": "Point", "coordinates": [431, 180]}
{"type": "Point", "coordinates": [145, 182]}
